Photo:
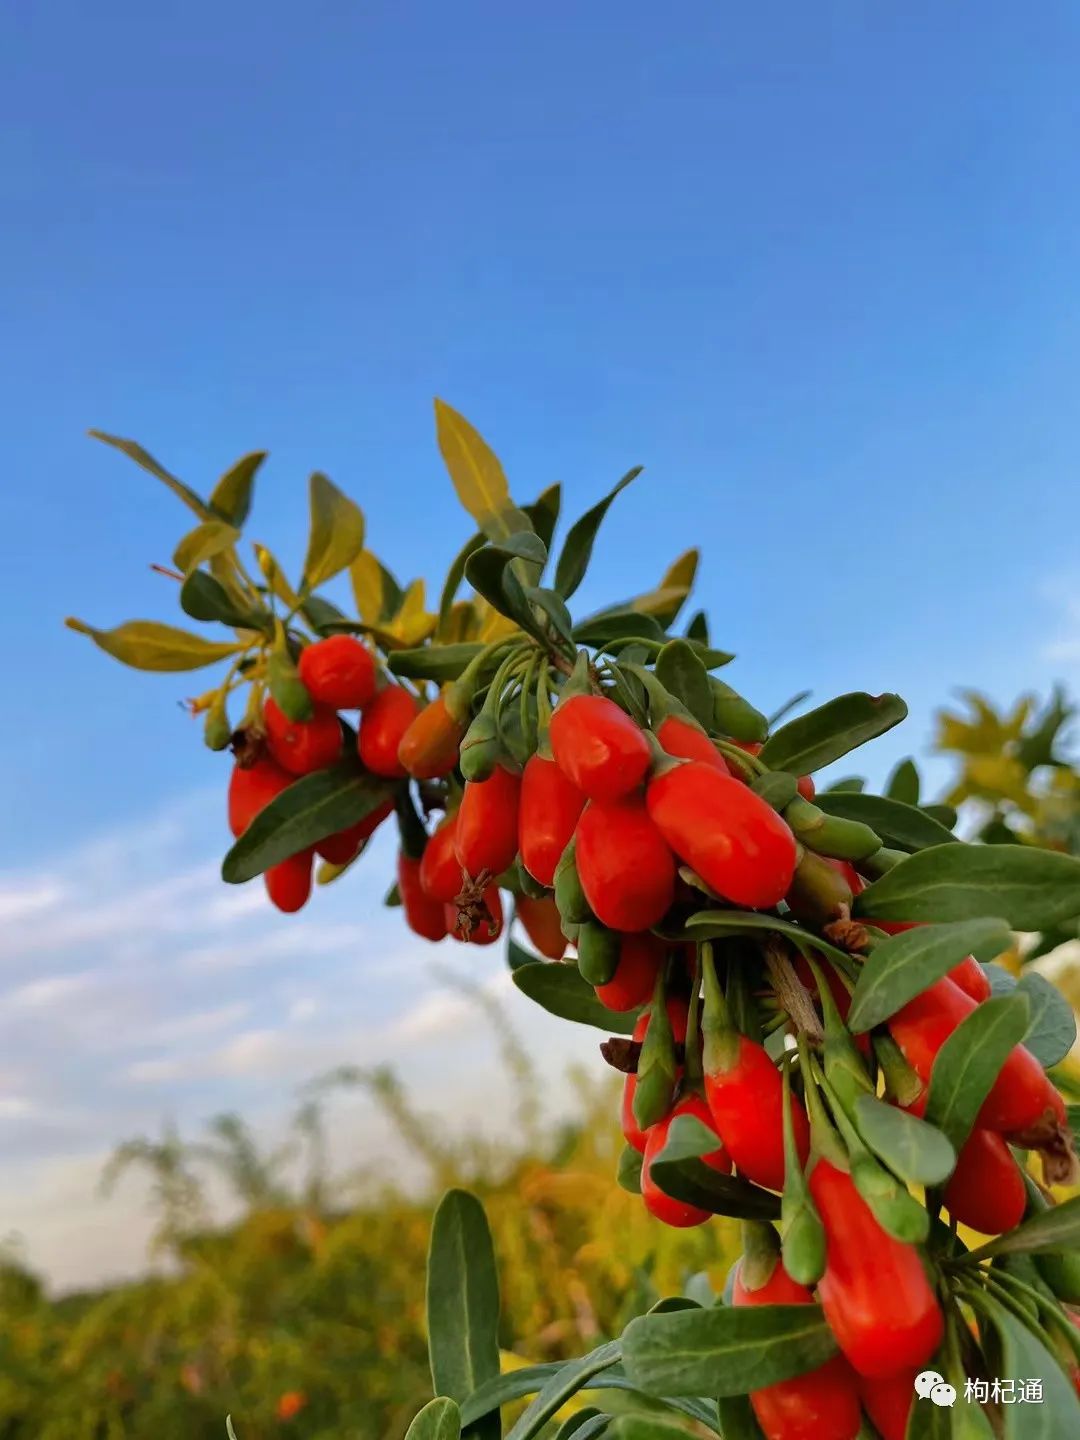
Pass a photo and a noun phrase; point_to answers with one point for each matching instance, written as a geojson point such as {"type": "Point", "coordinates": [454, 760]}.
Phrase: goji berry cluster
{"type": "Point", "coordinates": [805, 1035]}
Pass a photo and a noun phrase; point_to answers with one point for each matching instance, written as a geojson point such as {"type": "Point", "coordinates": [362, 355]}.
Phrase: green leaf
{"type": "Point", "coordinates": [210, 538]}
{"type": "Point", "coordinates": [505, 1389]}
{"type": "Point", "coordinates": [523, 545]}
{"type": "Point", "coordinates": [1029, 887]}
{"type": "Point", "coordinates": [577, 547]}
{"type": "Point", "coordinates": [680, 670]}
{"type": "Point", "coordinates": [968, 1063]}
{"type": "Point", "coordinates": [433, 662]}
{"type": "Point", "coordinates": [554, 607]}
{"type": "Point", "coordinates": [607, 626]}
{"type": "Point", "coordinates": [646, 1427]}
{"type": "Point", "coordinates": [543, 513]}
{"type": "Point", "coordinates": [477, 475]}
{"type": "Point", "coordinates": [852, 783]}
{"type": "Point", "coordinates": [725, 1351]}
{"type": "Point", "coordinates": [1054, 1230]}
{"type": "Point", "coordinates": [462, 1302]}
{"type": "Point", "coordinates": [204, 598]}
{"type": "Point", "coordinates": [628, 1172]}
{"type": "Point", "coordinates": [903, 783]}
{"type": "Point", "coordinates": [231, 496]}
{"type": "Point", "coordinates": [821, 736]}
{"type": "Point", "coordinates": [736, 1418]}
{"type": "Point", "coordinates": [1052, 1032]}
{"type": "Point", "coordinates": [903, 966]}
{"type": "Point", "coordinates": [679, 1172]}
{"type": "Point", "coordinates": [312, 808]}
{"type": "Point", "coordinates": [1025, 1357]}
{"type": "Point", "coordinates": [489, 573]}
{"type": "Point", "coordinates": [901, 827]}
{"type": "Point", "coordinates": [336, 536]}
{"type": "Point", "coordinates": [146, 645]}
{"type": "Point", "coordinates": [943, 814]}
{"type": "Point", "coordinates": [713, 924]}
{"type": "Point", "coordinates": [135, 452]}
{"type": "Point", "coordinates": [559, 989]}
{"type": "Point", "coordinates": [440, 1419]}
{"type": "Point", "coordinates": [564, 1384]}
{"type": "Point", "coordinates": [919, 1153]}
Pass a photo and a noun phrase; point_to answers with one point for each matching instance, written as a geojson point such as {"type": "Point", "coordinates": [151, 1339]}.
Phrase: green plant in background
{"type": "Point", "coordinates": [790, 981]}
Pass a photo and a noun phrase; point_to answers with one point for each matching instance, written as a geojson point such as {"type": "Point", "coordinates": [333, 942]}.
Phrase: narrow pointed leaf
{"type": "Point", "coordinates": [725, 1351]}
{"type": "Point", "coordinates": [904, 965]}
{"type": "Point", "coordinates": [1054, 1230]}
{"type": "Point", "coordinates": [204, 598]}
{"type": "Point", "coordinates": [680, 670]}
{"type": "Point", "coordinates": [511, 1386]}
{"type": "Point", "coordinates": [819, 737]}
{"type": "Point", "coordinates": [143, 458]}
{"type": "Point", "coordinates": [968, 1063]}
{"type": "Point", "coordinates": [1029, 887]}
{"type": "Point", "coordinates": [577, 547]}
{"type": "Point", "coordinates": [1024, 1356]}
{"type": "Point", "coordinates": [454, 576]}
{"type": "Point", "coordinates": [210, 538]}
{"type": "Point", "coordinates": [336, 537]}
{"type": "Point", "coordinates": [903, 783]}
{"type": "Point", "coordinates": [558, 988]}
{"type": "Point", "coordinates": [616, 624]}
{"type": "Point", "coordinates": [231, 496]}
{"type": "Point", "coordinates": [477, 475]}
{"type": "Point", "coordinates": [901, 827]}
{"type": "Point", "coordinates": [148, 645]}
{"type": "Point", "coordinates": [565, 1383]}
{"type": "Point", "coordinates": [543, 513]}
{"type": "Point", "coordinates": [312, 808]}
{"type": "Point", "coordinates": [434, 662]}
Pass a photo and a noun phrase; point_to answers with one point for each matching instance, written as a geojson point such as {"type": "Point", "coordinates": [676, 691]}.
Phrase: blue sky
{"type": "Point", "coordinates": [813, 266]}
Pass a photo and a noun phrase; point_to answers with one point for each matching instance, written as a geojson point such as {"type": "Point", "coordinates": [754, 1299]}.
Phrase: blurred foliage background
{"type": "Point", "coordinates": [305, 1317]}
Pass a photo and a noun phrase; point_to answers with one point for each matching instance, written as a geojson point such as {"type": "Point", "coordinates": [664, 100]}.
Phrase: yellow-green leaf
{"type": "Point", "coordinates": [366, 575]}
{"type": "Point", "coordinates": [231, 496]}
{"type": "Point", "coordinates": [275, 578]}
{"type": "Point", "coordinates": [337, 532]}
{"type": "Point", "coordinates": [477, 475]}
{"type": "Point", "coordinates": [134, 451]}
{"type": "Point", "coordinates": [680, 574]}
{"type": "Point", "coordinates": [210, 538]}
{"type": "Point", "coordinates": [148, 645]}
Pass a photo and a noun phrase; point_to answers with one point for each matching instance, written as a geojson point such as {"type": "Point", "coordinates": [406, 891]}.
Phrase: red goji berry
{"type": "Point", "coordinates": [440, 869]}
{"type": "Point", "coordinates": [542, 923]}
{"type": "Point", "coordinates": [429, 747]}
{"type": "Point", "coordinates": [888, 1402]}
{"type": "Point", "coordinates": [677, 1014]}
{"type": "Point", "coordinates": [822, 1404]}
{"type": "Point", "coordinates": [1020, 1095]}
{"type": "Point", "coordinates": [986, 1190]}
{"type": "Point", "coordinates": [252, 789]}
{"type": "Point", "coordinates": [424, 916]}
{"type": "Point", "coordinates": [338, 672]}
{"type": "Point", "coordinates": [664, 1207]}
{"type": "Point", "coordinates": [879, 1304]}
{"type": "Point", "coordinates": [598, 747]}
{"type": "Point", "coordinates": [689, 742]}
{"type": "Point", "coordinates": [550, 808]}
{"type": "Point", "coordinates": [302, 746]}
{"type": "Point", "coordinates": [806, 787]}
{"type": "Point", "coordinates": [626, 869]}
{"type": "Point", "coordinates": [339, 849]}
{"type": "Point", "coordinates": [640, 958]}
{"type": "Point", "coordinates": [382, 728]}
{"type": "Point", "coordinates": [737, 843]}
{"type": "Point", "coordinates": [746, 1098]}
{"type": "Point", "coordinates": [486, 834]}
{"type": "Point", "coordinates": [288, 883]}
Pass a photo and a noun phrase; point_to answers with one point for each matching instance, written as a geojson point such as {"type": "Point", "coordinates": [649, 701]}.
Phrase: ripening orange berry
{"type": "Point", "coordinates": [338, 672]}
